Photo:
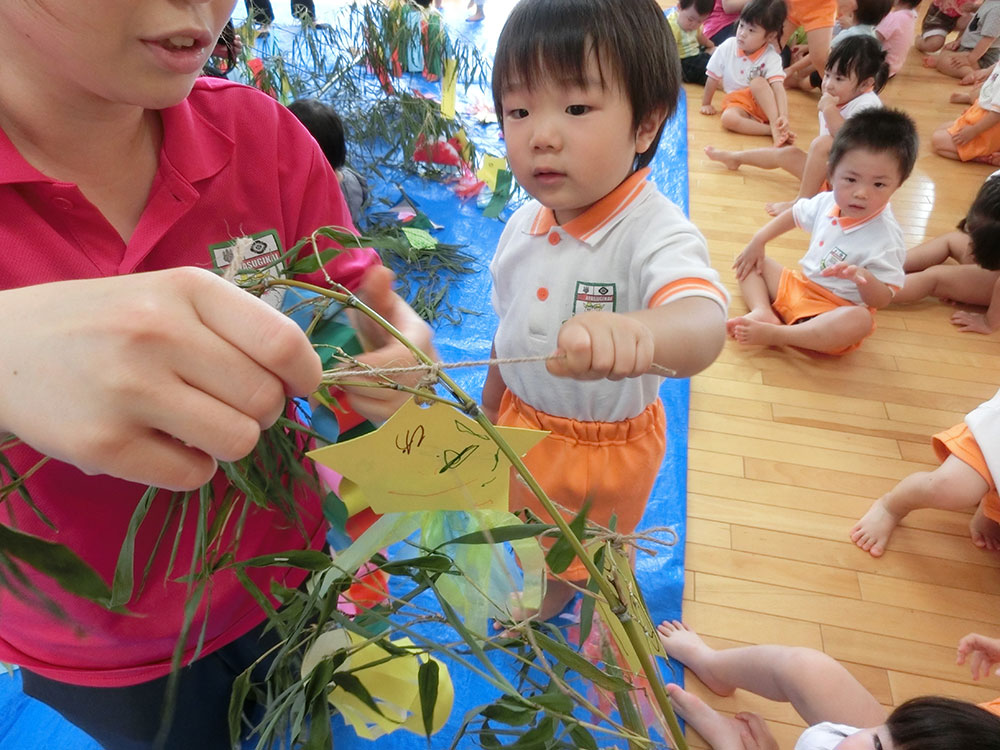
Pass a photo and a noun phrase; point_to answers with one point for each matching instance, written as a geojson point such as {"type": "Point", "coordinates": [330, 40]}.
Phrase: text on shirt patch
{"type": "Point", "coordinates": [832, 258]}
{"type": "Point", "coordinates": [263, 258]}
{"type": "Point", "coordinates": [591, 295]}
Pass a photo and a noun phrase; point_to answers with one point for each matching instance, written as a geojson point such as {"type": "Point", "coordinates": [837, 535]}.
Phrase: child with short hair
{"type": "Point", "coordinates": [854, 263]}
{"type": "Point", "coordinates": [975, 135]}
{"type": "Point", "coordinates": [325, 125]}
{"type": "Point", "coordinates": [975, 276]}
{"type": "Point", "coordinates": [749, 69]}
{"type": "Point", "coordinates": [977, 48]}
{"type": "Point", "coordinates": [966, 479]}
{"type": "Point", "coordinates": [693, 47]}
{"type": "Point", "coordinates": [855, 73]}
{"type": "Point", "coordinates": [840, 711]}
{"type": "Point", "coordinates": [859, 19]}
{"type": "Point", "coordinates": [599, 273]}
{"type": "Point", "coordinates": [895, 31]}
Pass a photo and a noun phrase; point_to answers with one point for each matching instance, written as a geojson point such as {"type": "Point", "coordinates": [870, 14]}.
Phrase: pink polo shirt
{"type": "Point", "coordinates": [233, 162]}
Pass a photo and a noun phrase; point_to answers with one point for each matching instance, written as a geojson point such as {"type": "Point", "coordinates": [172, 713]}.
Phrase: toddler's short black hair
{"type": "Point", "coordinates": [870, 12]}
{"type": "Point", "coordinates": [701, 7]}
{"type": "Point", "coordinates": [768, 14]}
{"type": "Point", "coordinates": [631, 39]}
{"type": "Point", "coordinates": [323, 122]}
{"type": "Point", "coordinates": [878, 130]}
{"type": "Point", "coordinates": [862, 56]}
{"type": "Point", "coordinates": [934, 723]}
{"type": "Point", "coordinates": [982, 224]}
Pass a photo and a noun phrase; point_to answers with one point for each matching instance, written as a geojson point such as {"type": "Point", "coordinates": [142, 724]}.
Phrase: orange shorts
{"type": "Point", "coordinates": [812, 14]}
{"type": "Point", "coordinates": [987, 142]}
{"type": "Point", "coordinates": [613, 465]}
{"type": "Point", "coordinates": [799, 299]}
{"type": "Point", "coordinates": [743, 99]}
{"type": "Point", "coordinates": [992, 706]}
{"type": "Point", "coordinates": [959, 442]}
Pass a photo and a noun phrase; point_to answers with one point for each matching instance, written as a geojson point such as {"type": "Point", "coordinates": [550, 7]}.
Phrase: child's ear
{"type": "Point", "coordinates": [648, 128]}
{"type": "Point", "coordinates": [867, 85]}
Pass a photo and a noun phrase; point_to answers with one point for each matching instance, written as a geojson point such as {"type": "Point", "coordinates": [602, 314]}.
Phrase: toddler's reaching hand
{"type": "Point", "coordinates": [982, 654]}
{"type": "Point", "coordinates": [847, 271]}
{"type": "Point", "coordinates": [596, 345]}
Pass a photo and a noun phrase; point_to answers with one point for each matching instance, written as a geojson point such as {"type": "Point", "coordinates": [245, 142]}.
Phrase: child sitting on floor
{"type": "Point", "coordinates": [854, 262]}
{"type": "Point", "coordinates": [895, 31]}
{"type": "Point", "coordinates": [600, 273]}
{"type": "Point", "coordinates": [840, 711]}
{"type": "Point", "coordinates": [692, 45]}
{"type": "Point", "coordinates": [749, 69]}
{"type": "Point", "coordinates": [977, 48]}
{"type": "Point", "coordinates": [975, 135]}
{"type": "Point", "coordinates": [943, 17]}
{"type": "Point", "coordinates": [859, 20]}
{"type": "Point", "coordinates": [963, 481]}
{"type": "Point", "coordinates": [975, 278]}
{"type": "Point", "coordinates": [855, 71]}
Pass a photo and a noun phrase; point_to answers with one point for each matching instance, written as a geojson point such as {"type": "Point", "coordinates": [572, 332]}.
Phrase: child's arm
{"type": "Point", "coordinates": [493, 389]}
{"type": "Point", "coordinates": [967, 133]}
{"type": "Point", "coordinates": [704, 41]}
{"type": "Point", "coordinates": [874, 293]}
{"type": "Point", "coordinates": [974, 322]}
{"type": "Point", "coordinates": [781, 100]}
{"type": "Point", "coordinates": [685, 336]}
{"type": "Point", "coordinates": [751, 260]}
{"type": "Point", "coordinates": [711, 84]}
{"type": "Point", "coordinates": [980, 49]}
{"type": "Point", "coordinates": [831, 113]}
{"type": "Point", "coordinates": [982, 652]}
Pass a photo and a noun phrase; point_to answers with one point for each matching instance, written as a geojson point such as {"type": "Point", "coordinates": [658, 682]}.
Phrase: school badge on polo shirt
{"type": "Point", "coordinates": [591, 295]}
{"type": "Point", "coordinates": [262, 259]}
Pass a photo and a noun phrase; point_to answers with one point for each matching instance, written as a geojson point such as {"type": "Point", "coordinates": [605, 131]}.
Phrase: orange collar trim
{"type": "Point", "coordinates": [846, 222]}
{"type": "Point", "coordinates": [753, 57]}
{"type": "Point", "coordinates": [597, 216]}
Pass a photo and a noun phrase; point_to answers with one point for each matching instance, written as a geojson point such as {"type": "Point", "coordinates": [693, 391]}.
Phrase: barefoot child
{"type": "Point", "coordinates": [841, 713]}
{"type": "Point", "coordinates": [748, 67]}
{"type": "Point", "coordinates": [600, 272]}
{"type": "Point", "coordinates": [974, 278]}
{"type": "Point", "coordinates": [855, 72]}
{"type": "Point", "coordinates": [975, 135]}
{"type": "Point", "coordinates": [854, 262]}
{"type": "Point", "coordinates": [977, 48]}
{"type": "Point", "coordinates": [964, 480]}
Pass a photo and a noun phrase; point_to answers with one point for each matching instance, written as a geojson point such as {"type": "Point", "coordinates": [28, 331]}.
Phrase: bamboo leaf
{"type": "Point", "coordinates": [562, 554]}
{"type": "Point", "coordinates": [430, 563]}
{"type": "Point", "coordinates": [123, 582]}
{"type": "Point", "coordinates": [354, 686]}
{"type": "Point", "coordinates": [427, 683]}
{"type": "Point", "coordinates": [306, 559]}
{"type": "Point", "coordinates": [58, 562]}
{"type": "Point", "coordinates": [510, 713]}
{"type": "Point", "coordinates": [501, 534]}
{"type": "Point", "coordinates": [320, 734]}
{"type": "Point", "coordinates": [582, 737]}
{"type": "Point", "coordinates": [579, 664]}
{"type": "Point", "coordinates": [554, 701]}
{"type": "Point", "coordinates": [237, 698]}
{"type": "Point", "coordinates": [537, 738]}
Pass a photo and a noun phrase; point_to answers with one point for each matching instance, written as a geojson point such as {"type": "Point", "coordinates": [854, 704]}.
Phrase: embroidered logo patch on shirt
{"type": "Point", "coordinates": [261, 260]}
{"type": "Point", "coordinates": [592, 295]}
{"type": "Point", "coordinates": [832, 258]}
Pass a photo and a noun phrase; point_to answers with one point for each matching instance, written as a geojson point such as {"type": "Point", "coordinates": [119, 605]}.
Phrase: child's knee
{"type": "Point", "coordinates": [942, 143]}
{"type": "Point", "coordinates": [731, 117]}
{"type": "Point", "coordinates": [759, 87]}
{"type": "Point", "coordinates": [821, 145]}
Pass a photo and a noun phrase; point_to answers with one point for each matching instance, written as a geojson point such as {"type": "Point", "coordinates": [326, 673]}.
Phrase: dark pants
{"type": "Point", "coordinates": [693, 68]}
{"type": "Point", "coordinates": [129, 718]}
{"type": "Point", "coordinates": [260, 11]}
{"type": "Point", "coordinates": [723, 34]}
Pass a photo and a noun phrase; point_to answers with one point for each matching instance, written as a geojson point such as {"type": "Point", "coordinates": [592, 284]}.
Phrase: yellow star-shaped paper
{"type": "Point", "coordinates": [428, 458]}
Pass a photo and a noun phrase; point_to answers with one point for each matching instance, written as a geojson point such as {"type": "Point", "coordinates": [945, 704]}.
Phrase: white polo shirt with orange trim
{"type": "Point", "coordinates": [735, 69]}
{"type": "Point", "coordinates": [631, 250]}
{"type": "Point", "coordinates": [867, 100]}
{"type": "Point", "coordinates": [874, 243]}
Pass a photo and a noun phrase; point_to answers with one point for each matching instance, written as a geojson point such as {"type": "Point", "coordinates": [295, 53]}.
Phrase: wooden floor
{"type": "Point", "coordinates": [787, 450]}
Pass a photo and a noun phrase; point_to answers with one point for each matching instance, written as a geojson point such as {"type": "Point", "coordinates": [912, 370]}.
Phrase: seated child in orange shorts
{"type": "Point", "coordinates": [964, 480]}
{"type": "Point", "coordinates": [974, 277]}
{"type": "Point", "coordinates": [975, 135]}
{"type": "Point", "coordinates": [854, 262]}
{"type": "Point", "coordinates": [748, 67]}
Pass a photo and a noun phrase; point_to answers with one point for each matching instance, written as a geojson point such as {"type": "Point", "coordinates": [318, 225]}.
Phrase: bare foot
{"type": "Point", "coordinates": [720, 732]}
{"type": "Point", "coordinates": [753, 329]}
{"type": "Point", "coordinates": [725, 157]}
{"type": "Point", "coordinates": [985, 531]}
{"type": "Point", "coordinates": [687, 647]}
{"type": "Point", "coordinates": [776, 207]}
{"type": "Point", "coordinates": [930, 61]}
{"type": "Point", "coordinates": [779, 136]}
{"type": "Point", "coordinates": [872, 532]}
{"type": "Point", "coordinates": [967, 80]}
{"type": "Point", "coordinates": [960, 97]}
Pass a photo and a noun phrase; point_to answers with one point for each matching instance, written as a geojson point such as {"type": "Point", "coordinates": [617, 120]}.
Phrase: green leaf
{"type": "Point", "coordinates": [427, 683]}
{"type": "Point", "coordinates": [320, 734]}
{"type": "Point", "coordinates": [334, 511]}
{"type": "Point", "coordinates": [582, 737]}
{"type": "Point", "coordinates": [319, 680]}
{"type": "Point", "coordinates": [506, 711]}
{"type": "Point", "coordinates": [307, 559]}
{"type": "Point", "coordinates": [431, 563]}
{"type": "Point", "coordinates": [123, 582]}
{"type": "Point", "coordinates": [554, 701]}
{"type": "Point", "coordinates": [56, 561]}
{"type": "Point", "coordinates": [537, 738]}
{"type": "Point", "coordinates": [562, 553]}
{"type": "Point", "coordinates": [579, 664]}
{"type": "Point", "coordinates": [501, 534]}
{"type": "Point", "coordinates": [352, 685]}
{"type": "Point", "coordinates": [237, 699]}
